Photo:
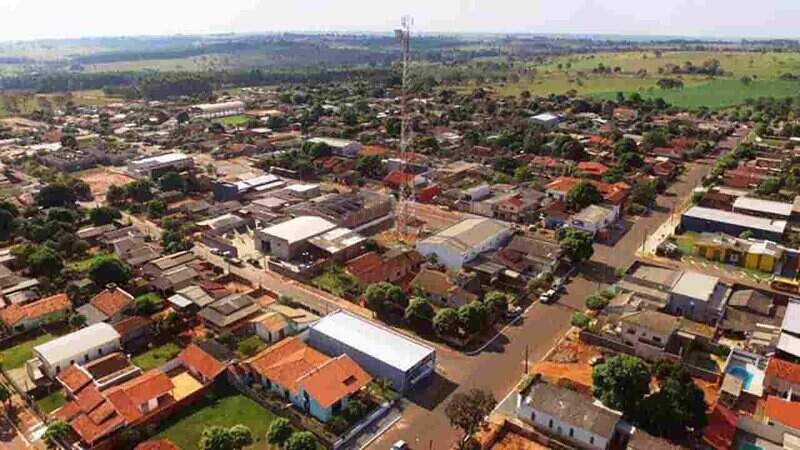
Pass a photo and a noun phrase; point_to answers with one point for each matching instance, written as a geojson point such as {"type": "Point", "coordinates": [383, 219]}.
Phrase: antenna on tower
{"type": "Point", "coordinates": [403, 36]}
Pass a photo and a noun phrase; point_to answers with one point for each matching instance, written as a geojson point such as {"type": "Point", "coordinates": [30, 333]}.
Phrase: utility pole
{"type": "Point", "coordinates": [526, 359]}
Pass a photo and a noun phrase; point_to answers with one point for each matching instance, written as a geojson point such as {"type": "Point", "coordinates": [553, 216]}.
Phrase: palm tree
{"type": "Point", "coordinates": [56, 432]}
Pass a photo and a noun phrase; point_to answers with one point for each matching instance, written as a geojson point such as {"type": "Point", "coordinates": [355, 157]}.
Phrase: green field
{"type": "Point", "coordinates": [574, 73]}
{"type": "Point", "coordinates": [15, 357]}
{"type": "Point", "coordinates": [237, 121]}
{"type": "Point", "coordinates": [157, 356]}
{"type": "Point", "coordinates": [52, 402]}
{"type": "Point", "coordinates": [225, 408]}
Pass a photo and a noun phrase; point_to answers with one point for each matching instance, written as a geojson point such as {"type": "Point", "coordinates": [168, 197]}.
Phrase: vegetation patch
{"type": "Point", "coordinates": [15, 357]}
{"type": "Point", "coordinates": [157, 356]}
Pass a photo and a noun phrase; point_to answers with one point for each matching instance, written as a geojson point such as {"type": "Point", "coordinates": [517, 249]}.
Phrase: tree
{"type": "Point", "coordinates": [241, 435]}
{"type": "Point", "coordinates": [156, 208]}
{"type": "Point", "coordinates": [301, 440]}
{"type": "Point", "coordinates": [621, 382]}
{"type": "Point", "coordinates": [182, 117]}
{"type": "Point", "coordinates": [580, 320]}
{"type": "Point", "coordinates": [419, 312]}
{"type": "Point", "coordinates": [103, 215]}
{"type": "Point", "coordinates": [644, 194]}
{"type": "Point", "coordinates": [147, 304]}
{"type": "Point", "coordinates": [630, 161]}
{"type": "Point", "coordinates": [355, 410]}
{"type": "Point", "coordinates": [5, 395]}
{"type": "Point", "coordinates": [473, 317]}
{"type": "Point", "coordinates": [45, 262]}
{"type": "Point", "coordinates": [371, 166]}
{"type": "Point", "coordinates": [582, 195]}
{"type": "Point", "coordinates": [383, 296]}
{"type": "Point", "coordinates": [116, 195]}
{"type": "Point", "coordinates": [56, 194]}
{"type": "Point", "coordinates": [446, 322]}
{"type": "Point", "coordinates": [279, 431]}
{"type": "Point", "coordinates": [56, 432]}
{"type": "Point", "coordinates": [172, 181]}
{"type": "Point", "coordinates": [677, 407]}
{"type": "Point", "coordinates": [626, 145]}
{"type": "Point", "coordinates": [596, 302]}
{"type": "Point", "coordinates": [77, 321]}
{"type": "Point", "coordinates": [247, 347]}
{"type": "Point", "coordinates": [466, 411]}
{"type": "Point", "coordinates": [109, 270]}
{"type": "Point", "coordinates": [139, 191]}
{"type": "Point", "coordinates": [8, 224]}
{"type": "Point", "coordinates": [215, 438]}
{"type": "Point", "coordinates": [769, 186]}
{"type": "Point", "coordinates": [576, 244]}
{"type": "Point", "coordinates": [497, 303]}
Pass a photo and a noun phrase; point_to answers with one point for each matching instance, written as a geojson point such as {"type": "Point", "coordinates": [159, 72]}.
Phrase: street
{"type": "Point", "coordinates": [501, 365]}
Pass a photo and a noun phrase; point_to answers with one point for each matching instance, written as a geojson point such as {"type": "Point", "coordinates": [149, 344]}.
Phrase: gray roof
{"type": "Point", "coordinates": [573, 408]}
{"type": "Point", "coordinates": [468, 233]}
{"type": "Point", "coordinates": [72, 345]}
{"type": "Point", "coordinates": [764, 206]}
{"type": "Point", "coordinates": [789, 343]}
{"type": "Point", "coordinates": [92, 314]}
{"type": "Point", "coordinates": [374, 340]}
{"type": "Point", "coordinates": [740, 220]}
{"type": "Point", "coordinates": [695, 285]}
{"type": "Point", "coordinates": [229, 310]}
{"type": "Point", "coordinates": [299, 229]}
{"type": "Point", "coordinates": [791, 320]}
{"type": "Point", "coordinates": [197, 295]}
{"type": "Point", "coordinates": [658, 322]}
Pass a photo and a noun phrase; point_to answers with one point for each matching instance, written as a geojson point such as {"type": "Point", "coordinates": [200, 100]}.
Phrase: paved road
{"type": "Point", "coordinates": [500, 366]}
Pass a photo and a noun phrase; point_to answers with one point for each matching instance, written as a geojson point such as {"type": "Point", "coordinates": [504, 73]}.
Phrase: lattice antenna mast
{"type": "Point", "coordinates": [403, 36]}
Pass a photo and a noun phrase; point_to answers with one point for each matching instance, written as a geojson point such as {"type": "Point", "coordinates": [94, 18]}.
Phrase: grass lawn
{"type": "Point", "coordinates": [685, 243]}
{"type": "Point", "coordinates": [157, 356]}
{"type": "Point", "coordinates": [239, 120]}
{"type": "Point", "coordinates": [250, 346]}
{"type": "Point", "coordinates": [85, 265]}
{"type": "Point", "coordinates": [225, 408]}
{"type": "Point", "coordinates": [337, 282]}
{"type": "Point", "coordinates": [52, 402]}
{"type": "Point", "coordinates": [15, 357]}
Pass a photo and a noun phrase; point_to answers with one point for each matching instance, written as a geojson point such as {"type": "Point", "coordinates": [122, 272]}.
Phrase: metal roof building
{"type": "Point", "coordinates": [702, 219]}
{"type": "Point", "coordinates": [768, 208]}
{"type": "Point", "coordinates": [80, 346]}
{"type": "Point", "coordinates": [380, 351]}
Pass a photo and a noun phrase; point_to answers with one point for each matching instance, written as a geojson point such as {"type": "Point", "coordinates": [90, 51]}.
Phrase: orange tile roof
{"type": "Point", "coordinates": [787, 413]}
{"type": "Point", "coordinates": [90, 431]}
{"type": "Point", "coordinates": [373, 150]}
{"type": "Point", "coordinates": [613, 193]}
{"type": "Point", "coordinates": [74, 378]}
{"type": "Point", "coordinates": [112, 301]}
{"type": "Point", "coordinates": [593, 168]}
{"type": "Point", "coordinates": [721, 428]}
{"type": "Point", "coordinates": [287, 361]}
{"type": "Point", "coordinates": [397, 178]}
{"type": "Point", "coordinates": [160, 444]}
{"type": "Point", "coordinates": [15, 314]}
{"type": "Point", "coordinates": [197, 359]}
{"type": "Point", "coordinates": [364, 263]}
{"type": "Point", "coordinates": [128, 397]}
{"type": "Point", "coordinates": [334, 380]}
{"type": "Point", "coordinates": [89, 398]}
{"type": "Point", "coordinates": [784, 370]}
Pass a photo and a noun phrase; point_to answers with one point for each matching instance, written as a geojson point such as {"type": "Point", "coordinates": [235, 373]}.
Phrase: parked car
{"type": "Point", "coordinates": [236, 262]}
{"type": "Point", "coordinates": [599, 359]}
{"type": "Point", "coordinates": [400, 445]}
{"type": "Point", "coordinates": [513, 311]}
{"type": "Point", "coordinates": [548, 296]}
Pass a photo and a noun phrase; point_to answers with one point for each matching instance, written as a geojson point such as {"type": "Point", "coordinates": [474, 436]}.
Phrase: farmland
{"type": "Point", "coordinates": [639, 72]}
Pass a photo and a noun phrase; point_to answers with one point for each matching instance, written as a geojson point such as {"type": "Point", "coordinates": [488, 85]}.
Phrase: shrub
{"type": "Point", "coordinates": [596, 302]}
{"type": "Point", "coordinates": [580, 320]}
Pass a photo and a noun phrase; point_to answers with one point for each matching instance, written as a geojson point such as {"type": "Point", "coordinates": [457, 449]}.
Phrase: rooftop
{"type": "Point", "coordinates": [741, 220]}
{"type": "Point", "coordinates": [68, 346]}
{"type": "Point", "coordinates": [765, 206]}
{"type": "Point", "coordinates": [695, 285]}
{"type": "Point", "coordinates": [468, 233]}
{"type": "Point", "coordinates": [334, 380]}
{"type": "Point", "coordinates": [572, 407]}
{"type": "Point", "coordinates": [299, 229]}
{"type": "Point", "coordinates": [374, 340]}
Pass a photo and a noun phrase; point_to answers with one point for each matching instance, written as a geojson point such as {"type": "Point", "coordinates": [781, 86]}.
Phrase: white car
{"type": "Point", "coordinates": [400, 445]}
{"type": "Point", "coordinates": [548, 296]}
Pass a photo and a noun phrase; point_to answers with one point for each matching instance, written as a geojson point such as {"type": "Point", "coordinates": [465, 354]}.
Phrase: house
{"type": "Point", "coordinates": [81, 346]}
{"type": "Point", "coordinates": [700, 219]}
{"type": "Point", "coordinates": [135, 329]}
{"type": "Point", "coordinates": [521, 207]}
{"type": "Point", "coordinates": [201, 364]}
{"type": "Point", "coordinates": [96, 415]}
{"type": "Point", "coordinates": [593, 219]}
{"type": "Point", "coordinates": [382, 352]}
{"type": "Point", "coordinates": [160, 266]}
{"type": "Point", "coordinates": [546, 119]}
{"type": "Point", "coordinates": [530, 255]}
{"type": "Point", "coordinates": [27, 316]}
{"type": "Point", "coordinates": [153, 166]}
{"type": "Point", "coordinates": [110, 370]}
{"type": "Point", "coordinates": [614, 194]}
{"type": "Point", "coordinates": [134, 251]}
{"type": "Point", "coordinates": [648, 332]}
{"type": "Point", "coordinates": [566, 414]}
{"type": "Point", "coordinates": [110, 305]}
{"type": "Point", "coordinates": [297, 318]}
{"type": "Point", "coordinates": [191, 297]}
{"type": "Point", "coordinates": [592, 169]}
{"type": "Point", "coordinates": [271, 327]}
{"type": "Point", "coordinates": [339, 147]}
{"type": "Point", "coordinates": [642, 440]}
{"type": "Point", "coordinates": [789, 339]}
{"type": "Point", "coordinates": [699, 297]}
{"type": "Point", "coordinates": [286, 240]}
{"type": "Point", "coordinates": [438, 287]}
{"type": "Point", "coordinates": [229, 313]}
{"type": "Point", "coordinates": [217, 110]}
{"type": "Point", "coordinates": [296, 371]}
{"type": "Point", "coordinates": [782, 378]}
{"type": "Point", "coordinates": [392, 266]}
{"type": "Point", "coordinates": [749, 310]}
{"type": "Point", "coordinates": [751, 253]}
{"type": "Point", "coordinates": [780, 411]}
{"type": "Point", "coordinates": [462, 242]}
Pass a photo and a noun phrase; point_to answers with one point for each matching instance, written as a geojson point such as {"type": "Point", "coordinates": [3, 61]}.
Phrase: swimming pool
{"type": "Point", "coordinates": [742, 374]}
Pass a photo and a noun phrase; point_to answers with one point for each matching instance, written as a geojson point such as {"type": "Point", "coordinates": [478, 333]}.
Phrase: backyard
{"type": "Point", "coordinates": [223, 407]}
{"type": "Point", "coordinates": [52, 402]}
{"type": "Point", "coordinates": [15, 357]}
{"type": "Point", "coordinates": [157, 356]}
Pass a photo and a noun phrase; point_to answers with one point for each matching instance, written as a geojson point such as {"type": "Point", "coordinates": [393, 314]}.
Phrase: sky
{"type": "Point", "coordinates": [36, 19]}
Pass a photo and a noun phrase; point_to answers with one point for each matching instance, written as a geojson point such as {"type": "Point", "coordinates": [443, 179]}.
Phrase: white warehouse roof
{"type": "Point", "coordinates": [374, 340]}
{"type": "Point", "coordinates": [299, 229]}
{"type": "Point", "coordinates": [742, 220]}
{"type": "Point", "coordinates": [213, 107]}
{"type": "Point", "coordinates": [791, 319]}
{"type": "Point", "coordinates": [765, 206]}
{"type": "Point", "coordinates": [161, 159]}
{"type": "Point", "coordinates": [70, 346]}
